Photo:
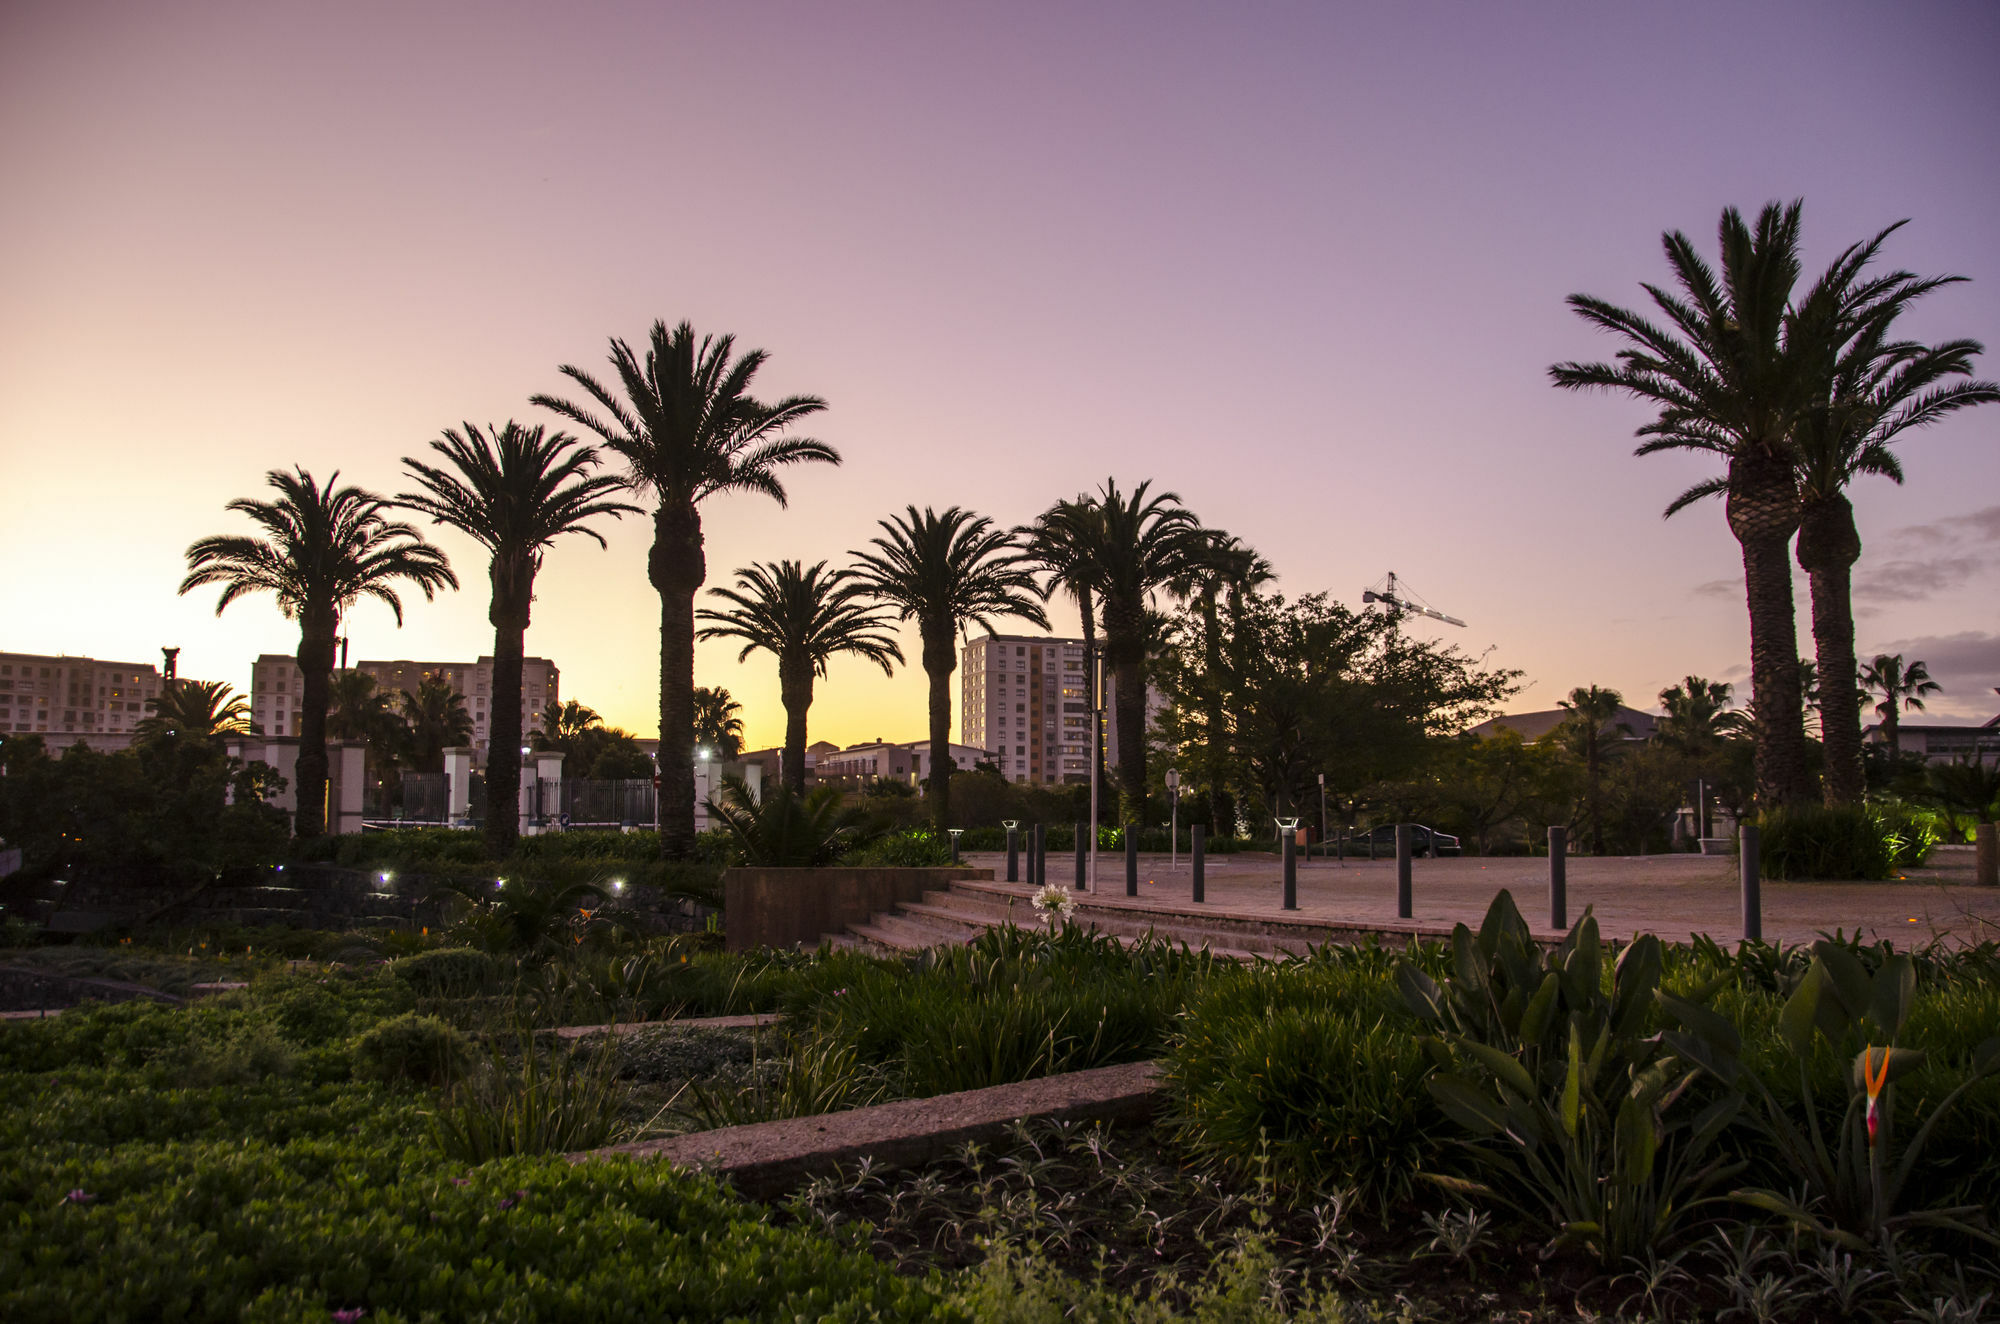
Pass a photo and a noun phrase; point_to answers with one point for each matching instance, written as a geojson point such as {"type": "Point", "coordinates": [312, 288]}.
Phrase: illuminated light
{"type": "Point", "coordinates": [617, 884]}
{"type": "Point", "coordinates": [387, 876]}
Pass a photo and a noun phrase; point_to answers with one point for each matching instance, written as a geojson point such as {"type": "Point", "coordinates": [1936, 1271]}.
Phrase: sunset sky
{"type": "Point", "coordinates": [1303, 264]}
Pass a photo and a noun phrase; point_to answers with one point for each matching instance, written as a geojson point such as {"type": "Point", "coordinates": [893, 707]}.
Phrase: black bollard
{"type": "Point", "coordinates": [1198, 836]}
{"type": "Point", "coordinates": [1558, 877]}
{"type": "Point", "coordinates": [1403, 898]}
{"type": "Point", "coordinates": [1013, 855]}
{"type": "Point", "coordinates": [1291, 870]}
{"type": "Point", "coordinates": [954, 848]}
{"type": "Point", "coordinates": [1082, 853]}
{"type": "Point", "coordinates": [1131, 860]}
{"type": "Point", "coordinates": [1041, 850]}
{"type": "Point", "coordinates": [1753, 902]}
{"type": "Point", "coordinates": [1340, 847]}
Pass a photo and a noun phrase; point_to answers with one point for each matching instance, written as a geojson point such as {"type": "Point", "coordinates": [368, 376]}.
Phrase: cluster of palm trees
{"type": "Point", "coordinates": [1797, 392]}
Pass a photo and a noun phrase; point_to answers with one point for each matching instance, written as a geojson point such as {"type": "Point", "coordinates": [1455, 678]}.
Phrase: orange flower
{"type": "Point", "coordinates": [1875, 1081]}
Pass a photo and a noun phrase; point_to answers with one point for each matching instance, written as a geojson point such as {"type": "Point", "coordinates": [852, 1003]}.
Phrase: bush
{"type": "Point", "coordinates": [447, 972]}
{"type": "Point", "coordinates": [912, 848]}
{"type": "Point", "coordinates": [1833, 843]}
{"type": "Point", "coordinates": [557, 1102]}
{"type": "Point", "coordinates": [422, 1050]}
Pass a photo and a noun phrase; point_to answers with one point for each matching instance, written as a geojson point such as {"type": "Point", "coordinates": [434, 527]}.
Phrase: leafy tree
{"type": "Point", "coordinates": [200, 709]}
{"type": "Point", "coordinates": [946, 572]}
{"type": "Point", "coordinates": [1592, 719]}
{"type": "Point", "coordinates": [1732, 373]}
{"type": "Point", "coordinates": [437, 721]}
{"type": "Point", "coordinates": [804, 618]}
{"type": "Point", "coordinates": [684, 421]}
{"type": "Point", "coordinates": [327, 548]}
{"type": "Point", "coordinates": [1483, 785]}
{"type": "Point", "coordinates": [717, 725]}
{"type": "Point", "coordinates": [1903, 689]}
{"type": "Point", "coordinates": [611, 753]}
{"type": "Point", "coordinates": [514, 493]}
{"type": "Point", "coordinates": [1876, 390]}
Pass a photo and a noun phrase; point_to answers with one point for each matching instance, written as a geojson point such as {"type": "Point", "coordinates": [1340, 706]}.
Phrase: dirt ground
{"type": "Point", "coordinates": [1671, 895]}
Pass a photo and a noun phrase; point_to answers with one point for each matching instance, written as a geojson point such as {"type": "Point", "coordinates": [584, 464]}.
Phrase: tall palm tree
{"type": "Point", "coordinates": [199, 709]}
{"type": "Point", "coordinates": [327, 549]}
{"type": "Point", "coordinates": [804, 618]}
{"type": "Point", "coordinates": [1903, 689]}
{"type": "Point", "coordinates": [1732, 376]}
{"type": "Point", "coordinates": [1875, 390]}
{"type": "Point", "coordinates": [562, 723]}
{"type": "Point", "coordinates": [686, 425]}
{"type": "Point", "coordinates": [1593, 713]}
{"type": "Point", "coordinates": [1059, 544]}
{"type": "Point", "coordinates": [514, 493]}
{"type": "Point", "coordinates": [438, 721]}
{"type": "Point", "coordinates": [718, 723]}
{"type": "Point", "coordinates": [1147, 545]}
{"type": "Point", "coordinates": [945, 572]}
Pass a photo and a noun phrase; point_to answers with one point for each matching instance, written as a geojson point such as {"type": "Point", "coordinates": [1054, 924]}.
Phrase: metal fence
{"type": "Point", "coordinates": [606, 802]}
{"type": "Point", "coordinates": [426, 797]}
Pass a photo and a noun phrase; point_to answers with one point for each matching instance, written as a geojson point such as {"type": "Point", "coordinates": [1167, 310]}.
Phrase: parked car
{"type": "Point", "coordinates": [1423, 841]}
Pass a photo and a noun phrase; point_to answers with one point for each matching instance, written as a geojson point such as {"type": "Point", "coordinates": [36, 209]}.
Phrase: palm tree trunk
{"type": "Point", "coordinates": [677, 567]}
{"type": "Point", "coordinates": [1086, 607]}
{"type": "Point", "coordinates": [1893, 730]}
{"type": "Point", "coordinates": [503, 749]}
{"type": "Point", "coordinates": [316, 645]}
{"type": "Point", "coordinates": [1829, 545]}
{"type": "Point", "coordinates": [1763, 505]}
{"type": "Point", "coordinates": [1130, 702]}
{"type": "Point", "coordinates": [940, 659]}
{"type": "Point", "coordinates": [796, 692]}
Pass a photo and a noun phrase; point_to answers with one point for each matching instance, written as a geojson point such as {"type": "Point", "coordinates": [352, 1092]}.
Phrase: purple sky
{"type": "Point", "coordinates": [1302, 265]}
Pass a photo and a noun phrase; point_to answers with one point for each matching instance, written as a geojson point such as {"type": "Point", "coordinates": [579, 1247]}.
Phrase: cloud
{"type": "Point", "coordinates": [1967, 664]}
{"type": "Point", "coordinates": [1915, 580]}
{"type": "Point", "coordinates": [1924, 559]}
{"type": "Point", "coordinates": [1719, 588]}
{"type": "Point", "coordinates": [1981, 526]}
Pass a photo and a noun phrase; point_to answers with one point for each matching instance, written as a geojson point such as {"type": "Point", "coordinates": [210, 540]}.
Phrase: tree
{"type": "Point", "coordinates": [198, 709]}
{"type": "Point", "coordinates": [717, 725]}
{"type": "Point", "coordinates": [514, 493]}
{"type": "Point", "coordinates": [1903, 689]}
{"type": "Point", "coordinates": [361, 710]}
{"type": "Point", "coordinates": [1058, 543]}
{"type": "Point", "coordinates": [945, 572]}
{"type": "Point", "coordinates": [562, 723]}
{"type": "Point", "coordinates": [1593, 713]}
{"type": "Point", "coordinates": [1875, 390]}
{"type": "Point", "coordinates": [686, 425]}
{"type": "Point", "coordinates": [327, 548]}
{"type": "Point", "coordinates": [1697, 720]}
{"type": "Point", "coordinates": [804, 618]}
{"type": "Point", "coordinates": [438, 721]}
{"type": "Point", "coordinates": [1732, 374]}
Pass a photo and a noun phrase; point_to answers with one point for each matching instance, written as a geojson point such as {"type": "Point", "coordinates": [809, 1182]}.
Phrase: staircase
{"type": "Point", "coordinates": [956, 914]}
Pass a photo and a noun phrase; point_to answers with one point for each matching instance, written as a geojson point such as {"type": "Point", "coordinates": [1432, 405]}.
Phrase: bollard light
{"type": "Point", "coordinates": [1288, 830]}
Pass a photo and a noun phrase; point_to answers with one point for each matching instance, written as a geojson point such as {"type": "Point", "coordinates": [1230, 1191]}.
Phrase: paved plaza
{"type": "Point", "coordinates": [1671, 895]}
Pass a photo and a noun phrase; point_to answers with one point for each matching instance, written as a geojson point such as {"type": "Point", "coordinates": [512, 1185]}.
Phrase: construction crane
{"type": "Point", "coordinates": [1397, 598]}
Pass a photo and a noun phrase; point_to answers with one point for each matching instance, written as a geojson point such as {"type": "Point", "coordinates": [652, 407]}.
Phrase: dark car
{"type": "Point", "coordinates": [1423, 841]}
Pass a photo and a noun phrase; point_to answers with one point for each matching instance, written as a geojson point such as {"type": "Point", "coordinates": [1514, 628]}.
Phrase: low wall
{"type": "Point", "coordinates": [794, 907]}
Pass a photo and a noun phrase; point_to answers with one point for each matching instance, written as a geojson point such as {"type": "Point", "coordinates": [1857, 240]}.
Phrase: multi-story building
{"type": "Point", "coordinates": [75, 700]}
{"type": "Point", "coordinates": [275, 681]}
{"type": "Point", "coordinates": [1027, 699]}
{"type": "Point", "coordinates": [909, 762]}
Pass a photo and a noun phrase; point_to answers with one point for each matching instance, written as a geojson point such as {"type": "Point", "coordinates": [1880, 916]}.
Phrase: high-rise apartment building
{"type": "Point", "coordinates": [1027, 698]}
{"type": "Point", "coordinates": [75, 700]}
{"type": "Point", "coordinates": [275, 681]}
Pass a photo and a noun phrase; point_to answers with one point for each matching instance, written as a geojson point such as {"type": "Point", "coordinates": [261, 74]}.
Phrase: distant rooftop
{"type": "Point", "coordinates": [1533, 726]}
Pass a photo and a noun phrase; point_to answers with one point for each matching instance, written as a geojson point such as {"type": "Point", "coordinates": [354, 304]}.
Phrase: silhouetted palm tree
{"type": "Point", "coordinates": [562, 723]}
{"type": "Point", "coordinates": [200, 709]}
{"type": "Point", "coordinates": [717, 723]}
{"type": "Point", "coordinates": [1593, 713]}
{"type": "Point", "coordinates": [1876, 389]}
{"type": "Point", "coordinates": [438, 721]}
{"type": "Point", "coordinates": [514, 494]}
{"type": "Point", "coordinates": [1058, 543]}
{"type": "Point", "coordinates": [1902, 688]}
{"type": "Point", "coordinates": [804, 618]}
{"type": "Point", "coordinates": [327, 548]}
{"type": "Point", "coordinates": [1731, 377]}
{"type": "Point", "coordinates": [1227, 566]}
{"type": "Point", "coordinates": [684, 421]}
{"type": "Point", "coordinates": [1698, 720]}
{"type": "Point", "coordinates": [945, 572]}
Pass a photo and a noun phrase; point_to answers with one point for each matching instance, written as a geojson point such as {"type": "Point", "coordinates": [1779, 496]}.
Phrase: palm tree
{"type": "Point", "coordinates": [1902, 688]}
{"type": "Point", "coordinates": [1875, 390]}
{"type": "Point", "coordinates": [562, 723]}
{"type": "Point", "coordinates": [804, 618]}
{"type": "Point", "coordinates": [438, 721]}
{"type": "Point", "coordinates": [688, 428]}
{"type": "Point", "coordinates": [1228, 565]}
{"type": "Point", "coordinates": [514, 493]}
{"type": "Point", "coordinates": [327, 549]}
{"type": "Point", "coordinates": [359, 709]}
{"type": "Point", "coordinates": [1698, 720]}
{"type": "Point", "coordinates": [1593, 713]}
{"type": "Point", "coordinates": [199, 709]}
{"type": "Point", "coordinates": [1732, 375]}
{"type": "Point", "coordinates": [717, 725]}
{"type": "Point", "coordinates": [945, 572]}
{"type": "Point", "coordinates": [1059, 543]}
{"type": "Point", "coordinates": [1148, 544]}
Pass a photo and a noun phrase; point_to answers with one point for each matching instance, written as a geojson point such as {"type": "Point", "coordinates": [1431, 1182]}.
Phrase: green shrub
{"type": "Point", "coordinates": [447, 972]}
{"type": "Point", "coordinates": [419, 1049]}
{"type": "Point", "coordinates": [1827, 843]}
{"type": "Point", "coordinates": [1917, 832]}
{"type": "Point", "coordinates": [912, 848]}
{"type": "Point", "coordinates": [532, 1102]}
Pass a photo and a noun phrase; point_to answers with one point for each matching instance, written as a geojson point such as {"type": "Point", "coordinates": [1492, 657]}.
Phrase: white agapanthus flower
{"type": "Point", "coordinates": [1055, 903]}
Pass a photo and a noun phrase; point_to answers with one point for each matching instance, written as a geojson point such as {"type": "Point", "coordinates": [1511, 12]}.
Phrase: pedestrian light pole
{"type": "Point", "coordinates": [1322, 815]}
{"type": "Point", "coordinates": [1173, 820]}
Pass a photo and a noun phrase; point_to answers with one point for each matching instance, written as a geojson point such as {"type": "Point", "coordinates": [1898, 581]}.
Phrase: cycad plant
{"type": "Point", "coordinates": [947, 571]}
{"type": "Point", "coordinates": [804, 617]}
{"type": "Point", "coordinates": [514, 493]}
{"type": "Point", "coordinates": [684, 421]}
{"type": "Point", "coordinates": [325, 549]}
{"type": "Point", "coordinates": [787, 831]}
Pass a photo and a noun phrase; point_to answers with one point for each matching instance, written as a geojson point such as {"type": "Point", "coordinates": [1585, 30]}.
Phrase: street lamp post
{"type": "Point", "coordinates": [1322, 815]}
{"type": "Point", "coordinates": [1173, 820]}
